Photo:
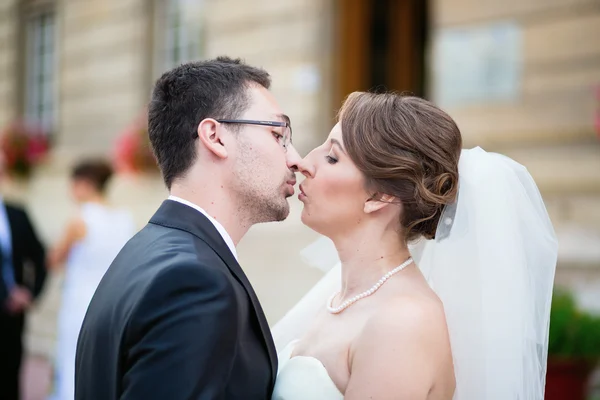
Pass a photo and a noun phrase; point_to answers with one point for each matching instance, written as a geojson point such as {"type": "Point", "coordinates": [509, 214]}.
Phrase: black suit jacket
{"type": "Point", "coordinates": [25, 247]}
{"type": "Point", "coordinates": [175, 318]}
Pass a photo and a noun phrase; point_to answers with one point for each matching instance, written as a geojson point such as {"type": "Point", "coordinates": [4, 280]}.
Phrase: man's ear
{"type": "Point", "coordinates": [210, 133]}
{"type": "Point", "coordinates": [377, 202]}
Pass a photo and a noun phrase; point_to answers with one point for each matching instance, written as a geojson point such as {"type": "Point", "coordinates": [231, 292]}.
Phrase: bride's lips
{"type": "Point", "coordinates": [301, 195]}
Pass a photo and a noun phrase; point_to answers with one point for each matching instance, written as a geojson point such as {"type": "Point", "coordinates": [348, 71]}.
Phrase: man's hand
{"type": "Point", "coordinates": [18, 300]}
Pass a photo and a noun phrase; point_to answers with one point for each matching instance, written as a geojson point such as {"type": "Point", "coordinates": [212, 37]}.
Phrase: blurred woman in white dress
{"type": "Point", "coordinates": [90, 242]}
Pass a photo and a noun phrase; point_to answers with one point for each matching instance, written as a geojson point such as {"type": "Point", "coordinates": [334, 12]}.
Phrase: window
{"type": "Point", "coordinates": [40, 61]}
{"type": "Point", "coordinates": [179, 33]}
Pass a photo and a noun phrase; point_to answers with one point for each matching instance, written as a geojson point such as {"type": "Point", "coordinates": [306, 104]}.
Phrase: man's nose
{"type": "Point", "coordinates": [303, 165]}
{"type": "Point", "coordinates": [293, 159]}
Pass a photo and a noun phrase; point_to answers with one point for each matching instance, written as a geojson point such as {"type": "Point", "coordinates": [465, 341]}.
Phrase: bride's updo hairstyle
{"type": "Point", "coordinates": [408, 148]}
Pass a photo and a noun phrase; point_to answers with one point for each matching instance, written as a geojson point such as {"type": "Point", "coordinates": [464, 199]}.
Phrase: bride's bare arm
{"type": "Point", "coordinates": [399, 353]}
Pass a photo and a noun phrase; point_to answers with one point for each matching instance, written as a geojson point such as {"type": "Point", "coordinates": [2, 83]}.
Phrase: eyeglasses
{"type": "Point", "coordinates": [284, 138]}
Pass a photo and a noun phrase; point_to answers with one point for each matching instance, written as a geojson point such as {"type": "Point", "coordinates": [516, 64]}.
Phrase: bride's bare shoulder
{"type": "Point", "coordinates": [418, 322]}
{"type": "Point", "coordinates": [402, 349]}
{"type": "Point", "coordinates": [408, 313]}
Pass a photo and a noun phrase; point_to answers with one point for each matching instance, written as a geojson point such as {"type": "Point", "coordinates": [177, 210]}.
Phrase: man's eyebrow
{"type": "Point", "coordinates": [285, 118]}
{"type": "Point", "coordinates": [336, 142]}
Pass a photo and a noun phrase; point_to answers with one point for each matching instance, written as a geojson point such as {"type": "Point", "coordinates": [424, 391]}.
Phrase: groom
{"type": "Point", "coordinates": [175, 316]}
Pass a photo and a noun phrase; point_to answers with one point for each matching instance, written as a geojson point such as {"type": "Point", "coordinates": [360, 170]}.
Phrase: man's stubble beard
{"type": "Point", "coordinates": [264, 210]}
{"type": "Point", "coordinates": [258, 199]}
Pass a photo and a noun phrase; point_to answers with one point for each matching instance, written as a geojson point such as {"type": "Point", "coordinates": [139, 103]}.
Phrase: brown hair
{"type": "Point", "coordinates": [98, 172]}
{"type": "Point", "coordinates": [408, 148]}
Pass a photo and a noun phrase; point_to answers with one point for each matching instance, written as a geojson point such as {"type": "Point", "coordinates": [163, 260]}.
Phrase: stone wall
{"type": "Point", "coordinates": [103, 78]}
{"type": "Point", "coordinates": [8, 60]}
{"type": "Point", "coordinates": [549, 126]}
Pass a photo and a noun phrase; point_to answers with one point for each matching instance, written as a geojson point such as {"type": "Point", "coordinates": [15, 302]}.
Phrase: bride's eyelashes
{"type": "Point", "coordinates": [330, 158]}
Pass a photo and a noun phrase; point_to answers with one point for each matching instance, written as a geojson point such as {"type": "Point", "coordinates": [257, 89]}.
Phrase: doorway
{"type": "Point", "coordinates": [381, 45]}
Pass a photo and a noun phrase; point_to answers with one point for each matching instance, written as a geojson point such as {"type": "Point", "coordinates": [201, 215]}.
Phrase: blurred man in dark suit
{"type": "Point", "coordinates": [19, 287]}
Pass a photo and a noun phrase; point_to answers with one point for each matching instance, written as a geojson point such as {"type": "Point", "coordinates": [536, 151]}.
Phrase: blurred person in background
{"type": "Point", "coordinates": [90, 242]}
{"type": "Point", "coordinates": [19, 287]}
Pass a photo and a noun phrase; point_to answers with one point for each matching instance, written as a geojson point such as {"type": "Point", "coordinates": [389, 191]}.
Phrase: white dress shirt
{"type": "Point", "coordinates": [216, 223]}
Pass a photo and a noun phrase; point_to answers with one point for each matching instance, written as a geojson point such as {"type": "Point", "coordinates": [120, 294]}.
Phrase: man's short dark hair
{"type": "Point", "coordinates": [189, 93]}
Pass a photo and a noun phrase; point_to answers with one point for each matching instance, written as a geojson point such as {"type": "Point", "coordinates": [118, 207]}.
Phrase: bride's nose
{"type": "Point", "coordinates": [306, 166]}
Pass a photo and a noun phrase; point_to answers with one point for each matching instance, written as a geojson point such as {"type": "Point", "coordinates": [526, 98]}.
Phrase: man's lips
{"type": "Point", "coordinates": [291, 184]}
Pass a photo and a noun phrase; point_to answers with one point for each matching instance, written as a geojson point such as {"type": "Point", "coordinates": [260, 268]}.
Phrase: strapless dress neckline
{"type": "Point", "coordinates": [302, 377]}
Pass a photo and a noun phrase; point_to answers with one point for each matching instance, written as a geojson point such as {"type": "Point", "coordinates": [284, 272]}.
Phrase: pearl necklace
{"type": "Point", "coordinates": [366, 293]}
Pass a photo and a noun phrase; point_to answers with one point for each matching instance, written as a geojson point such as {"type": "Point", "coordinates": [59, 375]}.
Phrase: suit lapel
{"type": "Point", "coordinates": [179, 216]}
{"type": "Point", "coordinates": [236, 269]}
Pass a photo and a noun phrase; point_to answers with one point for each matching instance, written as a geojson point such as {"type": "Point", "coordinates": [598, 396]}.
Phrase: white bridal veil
{"type": "Point", "coordinates": [492, 264]}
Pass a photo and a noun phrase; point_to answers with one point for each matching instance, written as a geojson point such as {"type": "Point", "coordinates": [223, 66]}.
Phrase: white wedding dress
{"type": "Point", "coordinates": [492, 264]}
{"type": "Point", "coordinates": [301, 378]}
{"type": "Point", "coordinates": [107, 231]}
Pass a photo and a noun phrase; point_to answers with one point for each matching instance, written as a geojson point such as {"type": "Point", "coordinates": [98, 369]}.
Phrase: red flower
{"type": "Point", "coordinates": [132, 152]}
{"type": "Point", "coordinates": [24, 146]}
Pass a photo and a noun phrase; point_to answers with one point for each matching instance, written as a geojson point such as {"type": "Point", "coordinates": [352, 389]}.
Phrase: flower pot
{"type": "Point", "coordinates": [567, 379]}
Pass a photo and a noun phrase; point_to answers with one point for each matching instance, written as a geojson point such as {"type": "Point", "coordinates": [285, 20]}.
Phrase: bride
{"type": "Point", "coordinates": [446, 265]}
